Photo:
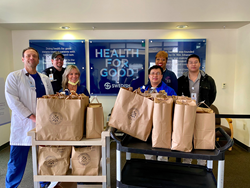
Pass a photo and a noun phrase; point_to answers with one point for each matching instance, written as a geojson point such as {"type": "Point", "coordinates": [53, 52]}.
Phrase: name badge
{"type": "Point", "coordinates": [51, 77]}
{"type": "Point", "coordinates": [193, 96]}
{"type": "Point", "coordinates": [31, 84]}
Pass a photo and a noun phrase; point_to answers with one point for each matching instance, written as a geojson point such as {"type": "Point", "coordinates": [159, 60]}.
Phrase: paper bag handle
{"type": "Point", "coordinates": [94, 98]}
{"type": "Point", "coordinates": [203, 102]}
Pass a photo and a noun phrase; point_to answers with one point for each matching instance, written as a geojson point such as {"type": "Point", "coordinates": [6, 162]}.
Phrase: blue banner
{"type": "Point", "coordinates": [178, 51]}
{"type": "Point", "coordinates": [115, 64]}
{"type": "Point", "coordinates": [73, 51]}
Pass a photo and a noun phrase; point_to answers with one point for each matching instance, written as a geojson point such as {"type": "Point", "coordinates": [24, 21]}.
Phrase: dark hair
{"type": "Point", "coordinates": [193, 55]}
{"type": "Point", "coordinates": [155, 67]}
{"type": "Point", "coordinates": [30, 48]}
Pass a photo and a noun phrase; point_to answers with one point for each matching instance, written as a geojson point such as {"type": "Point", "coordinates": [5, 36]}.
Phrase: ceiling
{"type": "Point", "coordinates": [123, 15]}
{"type": "Point", "coordinates": [124, 26]}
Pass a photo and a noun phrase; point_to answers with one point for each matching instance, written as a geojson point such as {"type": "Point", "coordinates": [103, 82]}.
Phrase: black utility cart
{"type": "Point", "coordinates": [150, 173]}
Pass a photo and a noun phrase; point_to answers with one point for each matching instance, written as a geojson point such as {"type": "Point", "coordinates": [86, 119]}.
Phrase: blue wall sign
{"type": "Point", "coordinates": [115, 64]}
{"type": "Point", "coordinates": [73, 51]}
{"type": "Point", "coordinates": [178, 51]}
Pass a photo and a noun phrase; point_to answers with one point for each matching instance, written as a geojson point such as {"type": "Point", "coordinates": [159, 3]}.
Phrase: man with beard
{"type": "Point", "coordinates": [56, 71]}
{"type": "Point", "coordinates": [22, 88]}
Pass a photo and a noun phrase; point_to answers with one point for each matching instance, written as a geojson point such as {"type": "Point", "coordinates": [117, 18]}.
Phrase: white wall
{"type": "Point", "coordinates": [242, 86]}
{"type": "Point", "coordinates": [6, 68]}
{"type": "Point", "coordinates": [220, 64]}
{"type": "Point", "coordinates": [225, 50]}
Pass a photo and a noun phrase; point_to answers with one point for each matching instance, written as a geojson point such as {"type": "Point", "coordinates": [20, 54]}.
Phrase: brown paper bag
{"type": "Point", "coordinates": [94, 120]}
{"type": "Point", "coordinates": [60, 119]}
{"type": "Point", "coordinates": [183, 125]}
{"type": "Point", "coordinates": [162, 123]}
{"type": "Point", "coordinates": [204, 110]}
{"type": "Point", "coordinates": [132, 114]}
{"type": "Point", "coordinates": [204, 129]}
{"type": "Point", "coordinates": [53, 160]}
{"type": "Point", "coordinates": [86, 160]}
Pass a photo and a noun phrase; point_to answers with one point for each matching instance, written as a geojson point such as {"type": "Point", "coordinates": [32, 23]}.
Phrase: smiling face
{"type": "Point", "coordinates": [155, 77]}
{"type": "Point", "coordinates": [57, 62]}
{"type": "Point", "coordinates": [193, 65]}
{"type": "Point", "coordinates": [73, 76]}
{"type": "Point", "coordinates": [161, 61]}
{"type": "Point", "coordinates": [30, 59]}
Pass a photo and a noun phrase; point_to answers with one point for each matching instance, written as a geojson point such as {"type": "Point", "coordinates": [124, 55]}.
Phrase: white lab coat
{"type": "Point", "coordinates": [20, 95]}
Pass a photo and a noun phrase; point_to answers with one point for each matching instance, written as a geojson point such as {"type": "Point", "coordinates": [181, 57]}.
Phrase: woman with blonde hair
{"type": "Point", "coordinates": [71, 81]}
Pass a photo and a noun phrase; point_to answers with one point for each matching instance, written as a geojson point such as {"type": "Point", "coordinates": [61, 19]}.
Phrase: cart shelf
{"type": "Point", "coordinates": [148, 173]}
{"type": "Point", "coordinates": [104, 174]}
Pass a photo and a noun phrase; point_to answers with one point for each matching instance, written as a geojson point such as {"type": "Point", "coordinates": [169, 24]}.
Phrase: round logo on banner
{"type": "Point", "coordinates": [55, 118]}
{"type": "Point", "coordinates": [133, 114]}
{"type": "Point", "coordinates": [84, 159]}
{"type": "Point", "coordinates": [50, 161]}
{"type": "Point", "coordinates": [107, 85]}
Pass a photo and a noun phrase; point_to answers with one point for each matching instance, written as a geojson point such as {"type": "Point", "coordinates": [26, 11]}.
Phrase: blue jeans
{"type": "Point", "coordinates": [16, 165]}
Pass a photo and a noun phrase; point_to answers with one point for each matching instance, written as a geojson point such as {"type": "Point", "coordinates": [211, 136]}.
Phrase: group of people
{"type": "Point", "coordinates": [64, 79]}
{"type": "Point", "coordinates": [194, 83]}
{"type": "Point", "coordinates": [24, 86]}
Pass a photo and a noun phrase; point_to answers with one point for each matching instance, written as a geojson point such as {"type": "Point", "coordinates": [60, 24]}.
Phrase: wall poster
{"type": "Point", "coordinates": [73, 51]}
{"type": "Point", "coordinates": [115, 64]}
{"type": "Point", "coordinates": [178, 51]}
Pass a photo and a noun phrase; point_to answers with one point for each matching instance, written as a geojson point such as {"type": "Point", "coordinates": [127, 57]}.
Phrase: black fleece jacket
{"type": "Point", "coordinates": [207, 90]}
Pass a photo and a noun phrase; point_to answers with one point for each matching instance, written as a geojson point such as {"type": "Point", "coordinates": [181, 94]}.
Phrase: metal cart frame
{"type": "Point", "coordinates": [103, 177]}
{"type": "Point", "coordinates": [130, 145]}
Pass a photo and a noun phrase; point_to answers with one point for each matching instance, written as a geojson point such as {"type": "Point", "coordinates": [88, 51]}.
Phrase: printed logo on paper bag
{"type": "Point", "coordinates": [60, 150]}
{"type": "Point", "coordinates": [50, 161]}
{"type": "Point", "coordinates": [133, 114]}
{"type": "Point", "coordinates": [84, 159]}
{"type": "Point", "coordinates": [55, 118]}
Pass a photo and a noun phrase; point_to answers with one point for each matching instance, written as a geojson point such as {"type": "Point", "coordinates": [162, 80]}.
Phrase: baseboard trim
{"type": "Point", "coordinates": [4, 146]}
{"type": "Point", "coordinates": [241, 145]}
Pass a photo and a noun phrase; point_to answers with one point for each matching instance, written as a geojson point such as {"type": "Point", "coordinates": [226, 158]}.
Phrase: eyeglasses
{"type": "Point", "coordinates": [193, 63]}
{"type": "Point", "coordinates": [57, 59]}
{"type": "Point", "coordinates": [157, 73]}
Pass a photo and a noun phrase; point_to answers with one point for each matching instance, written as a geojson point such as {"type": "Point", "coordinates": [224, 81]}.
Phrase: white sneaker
{"type": "Point", "coordinates": [53, 184]}
{"type": "Point", "coordinates": [187, 161]}
{"type": "Point", "coordinates": [150, 157]}
{"type": "Point", "coordinates": [201, 162]}
{"type": "Point", "coordinates": [162, 158]}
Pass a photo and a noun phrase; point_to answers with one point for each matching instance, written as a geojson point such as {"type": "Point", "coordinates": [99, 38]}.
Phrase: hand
{"type": "Point", "coordinates": [33, 118]}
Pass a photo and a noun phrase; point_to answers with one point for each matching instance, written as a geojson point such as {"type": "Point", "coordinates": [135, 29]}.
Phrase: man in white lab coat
{"type": "Point", "coordinates": [22, 88]}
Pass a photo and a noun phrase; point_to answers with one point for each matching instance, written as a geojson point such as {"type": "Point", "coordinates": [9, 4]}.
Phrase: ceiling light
{"type": "Point", "coordinates": [68, 36]}
{"type": "Point", "coordinates": [65, 27]}
{"type": "Point", "coordinates": [181, 26]}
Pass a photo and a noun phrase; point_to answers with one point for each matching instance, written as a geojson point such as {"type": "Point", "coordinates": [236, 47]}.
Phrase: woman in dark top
{"type": "Point", "coordinates": [71, 81]}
